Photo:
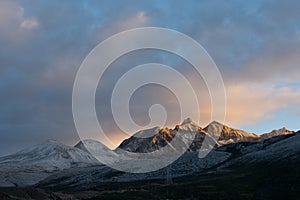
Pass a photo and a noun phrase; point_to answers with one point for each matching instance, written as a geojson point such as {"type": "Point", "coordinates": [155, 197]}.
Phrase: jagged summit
{"type": "Point", "coordinates": [155, 138]}
{"type": "Point", "coordinates": [147, 132]}
{"type": "Point", "coordinates": [98, 150]}
{"type": "Point", "coordinates": [191, 135]}
{"type": "Point", "coordinates": [187, 121]}
{"type": "Point", "coordinates": [87, 140]}
{"type": "Point", "coordinates": [90, 142]}
{"type": "Point", "coordinates": [226, 134]}
{"type": "Point", "coordinates": [216, 123]}
{"type": "Point", "coordinates": [282, 131]}
{"type": "Point", "coordinates": [188, 125]}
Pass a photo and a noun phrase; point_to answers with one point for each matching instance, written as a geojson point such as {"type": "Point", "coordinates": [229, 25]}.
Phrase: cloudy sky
{"type": "Point", "coordinates": [255, 44]}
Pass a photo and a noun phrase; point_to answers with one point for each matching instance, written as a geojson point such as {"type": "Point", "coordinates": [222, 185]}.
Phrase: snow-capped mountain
{"type": "Point", "coordinates": [282, 131]}
{"type": "Point", "coordinates": [143, 141]}
{"type": "Point", "coordinates": [275, 149]}
{"type": "Point", "coordinates": [224, 159]}
{"type": "Point", "coordinates": [50, 155]}
{"type": "Point", "coordinates": [98, 150]}
{"type": "Point", "coordinates": [33, 164]}
{"type": "Point", "coordinates": [189, 133]}
{"type": "Point", "coordinates": [229, 135]}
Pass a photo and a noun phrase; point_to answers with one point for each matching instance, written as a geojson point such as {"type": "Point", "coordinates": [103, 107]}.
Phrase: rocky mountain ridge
{"type": "Point", "coordinates": [39, 162]}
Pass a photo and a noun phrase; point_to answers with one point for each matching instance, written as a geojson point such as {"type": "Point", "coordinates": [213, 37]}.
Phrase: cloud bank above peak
{"type": "Point", "coordinates": [255, 44]}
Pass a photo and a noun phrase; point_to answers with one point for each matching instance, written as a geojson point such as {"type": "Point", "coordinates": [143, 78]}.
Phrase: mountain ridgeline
{"type": "Point", "coordinates": [219, 134]}
{"type": "Point", "coordinates": [56, 166]}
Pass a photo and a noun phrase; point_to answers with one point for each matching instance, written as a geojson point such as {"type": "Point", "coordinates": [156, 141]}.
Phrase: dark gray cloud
{"type": "Point", "coordinates": [42, 44]}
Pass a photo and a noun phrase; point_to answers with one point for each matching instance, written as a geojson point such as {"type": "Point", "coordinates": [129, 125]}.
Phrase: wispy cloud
{"type": "Point", "coordinates": [251, 104]}
{"type": "Point", "coordinates": [29, 23]}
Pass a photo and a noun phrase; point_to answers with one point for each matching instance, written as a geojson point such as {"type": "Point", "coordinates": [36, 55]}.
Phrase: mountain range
{"type": "Point", "coordinates": [55, 166]}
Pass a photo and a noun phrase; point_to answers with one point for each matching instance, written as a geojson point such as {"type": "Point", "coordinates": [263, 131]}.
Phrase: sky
{"type": "Point", "coordinates": [255, 44]}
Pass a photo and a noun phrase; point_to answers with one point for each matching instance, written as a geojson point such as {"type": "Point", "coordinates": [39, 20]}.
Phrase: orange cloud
{"type": "Point", "coordinates": [249, 104]}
